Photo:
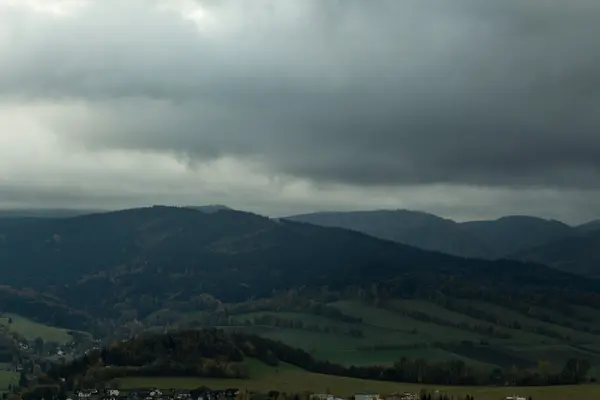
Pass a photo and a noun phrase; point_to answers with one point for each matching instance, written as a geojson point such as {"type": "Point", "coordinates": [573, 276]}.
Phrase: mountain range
{"type": "Point", "coordinates": [551, 242]}
{"type": "Point", "coordinates": [103, 263]}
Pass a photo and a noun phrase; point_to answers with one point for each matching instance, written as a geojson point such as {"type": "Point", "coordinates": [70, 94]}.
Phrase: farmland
{"type": "Point", "coordinates": [434, 333]}
{"type": "Point", "coordinates": [7, 378]}
{"type": "Point", "coordinates": [286, 378]}
{"type": "Point", "coordinates": [31, 329]}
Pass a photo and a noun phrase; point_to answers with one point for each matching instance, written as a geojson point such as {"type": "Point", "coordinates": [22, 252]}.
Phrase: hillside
{"type": "Point", "coordinates": [589, 226]}
{"type": "Point", "coordinates": [118, 273]}
{"type": "Point", "coordinates": [418, 229]}
{"type": "Point", "coordinates": [214, 353]}
{"type": "Point", "coordinates": [510, 234]}
{"type": "Point", "coordinates": [480, 239]}
{"type": "Point", "coordinates": [578, 254]}
{"type": "Point", "coordinates": [98, 260]}
{"type": "Point", "coordinates": [42, 307]}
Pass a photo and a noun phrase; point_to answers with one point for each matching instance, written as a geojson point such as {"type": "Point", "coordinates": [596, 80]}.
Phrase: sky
{"type": "Point", "coordinates": [467, 109]}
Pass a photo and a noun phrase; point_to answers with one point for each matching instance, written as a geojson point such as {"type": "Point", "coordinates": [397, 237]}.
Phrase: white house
{"type": "Point", "coordinates": [321, 397]}
{"type": "Point", "coordinates": [409, 396]}
{"type": "Point", "coordinates": [113, 392]}
{"type": "Point", "coordinates": [366, 396]}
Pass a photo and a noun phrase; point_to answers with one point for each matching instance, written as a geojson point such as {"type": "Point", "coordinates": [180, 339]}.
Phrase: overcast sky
{"type": "Point", "coordinates": [467, 109]}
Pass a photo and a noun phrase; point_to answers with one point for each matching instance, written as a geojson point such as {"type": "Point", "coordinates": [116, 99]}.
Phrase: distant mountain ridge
{"type": "Point", "coordinates": [211, 208]}
{"type": "Point", "coordinates": [74, 212]}
{"type": "Point", "coordinates": [481, 239]}
{"type": "Point", "coordinates": [589, 226]}
{"type": "Point", "coordinates": [579, 254]}
{"type": "Point", "coordinates": [45, 212]}
{"type": "Point", "coordinates": [414, 228]}
{"type": "Point", "coordinates": [525, 238]}
{"type": "Point", "coordinates": [510, 234]}
{"type": "Point", "coordinates": [514, 237]}
{"type": "Point", "coordinates": [145, 258]}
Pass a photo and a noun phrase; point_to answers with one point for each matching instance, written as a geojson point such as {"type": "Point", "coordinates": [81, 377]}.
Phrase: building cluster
{"type": "Point", "coordinates": [207, 394]}
{"type": "Point", "coordinates": [370, 396]}
{"type": "Point", "coordinates": [154, 394]}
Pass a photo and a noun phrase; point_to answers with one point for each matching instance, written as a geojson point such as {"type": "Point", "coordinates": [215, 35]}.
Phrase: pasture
{"type": "Point", "coordinates": [290, 379]}
{"type": "Point", "coordinates": [7, 378]}
{"type": "Point", "coordinates": [379, 345]}
{"type": "Point", "coordinates": [387, 334]}
{"type": "Point", "coordinates": [31, 329]}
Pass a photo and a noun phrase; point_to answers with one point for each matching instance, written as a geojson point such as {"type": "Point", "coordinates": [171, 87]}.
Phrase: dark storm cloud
{"type": "Point", "coordinates": [502, 93]}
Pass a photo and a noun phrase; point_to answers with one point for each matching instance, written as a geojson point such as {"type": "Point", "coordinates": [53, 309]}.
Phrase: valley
{"type": "Point", "coordinates": [342, 297]}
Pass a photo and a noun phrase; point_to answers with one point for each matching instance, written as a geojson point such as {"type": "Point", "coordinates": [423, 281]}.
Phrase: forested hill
{"type": "Point", "coordinates": [481, 239]}
{"type": "Point", "coordinates": [144, 258]}
{"type": "Point", "coordinates": [577, 254]}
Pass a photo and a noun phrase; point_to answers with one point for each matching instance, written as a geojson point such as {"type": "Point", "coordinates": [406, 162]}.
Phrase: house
{"type": "Point", "coordinates": [366, 396]}
{"type": "Point", "coordinates": [515, 397]}
{"type": "Point", "coordinates": [139, 393]}
{"type": "Point", "coordinates": [320, 396]}
{"type": "Point", "coordinates": [404, 396]}
{"type": "Point", "coordinates": [181, 394]}
{"type": "Point", "coordinates": [112, 392]}
{"type": "Point", "coordinates": [409, 396]}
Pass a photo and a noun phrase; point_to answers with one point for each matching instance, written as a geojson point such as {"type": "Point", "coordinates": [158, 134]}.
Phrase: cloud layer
{"type": "Point", "coordinates": [304, 104]}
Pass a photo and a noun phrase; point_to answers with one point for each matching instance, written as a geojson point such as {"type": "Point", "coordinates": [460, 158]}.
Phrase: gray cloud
{"type": "Point", "coordinates": [381, 93]}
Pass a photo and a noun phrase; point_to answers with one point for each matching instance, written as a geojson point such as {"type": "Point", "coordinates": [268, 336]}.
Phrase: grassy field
{"type": "Point", "coordinates": [389, 334]}
{"type": "Point", "coordinates": [6, 378]}
{"type": "Point", "coordinates": [291, 379]}
{"type": "Point", "coordinates": [31, 329]}
{"type": "Point", "coordinates": [348, 350]}
{"type": "Point", "coordinates": [434, 310]}
{"type": "Point", "coordinates": [592, 314]}
{"type": "Point", "coordinates": [510, 315]}
{"type": "Point", "coordinates": [387, 319]}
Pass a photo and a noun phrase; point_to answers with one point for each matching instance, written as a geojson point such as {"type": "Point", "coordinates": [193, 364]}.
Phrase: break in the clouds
{"type": "Point", "coordinates": [466, 108]}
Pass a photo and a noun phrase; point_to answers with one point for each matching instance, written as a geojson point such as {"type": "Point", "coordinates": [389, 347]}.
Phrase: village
{"type": "Point", "coordinates": [29, 358]}
{"type": "Point", "coordinates": [204, 393]}
{"type": "Point", "coordinates": [220, 394]}
{"type": "Point", "coordinates": [29, 361]}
